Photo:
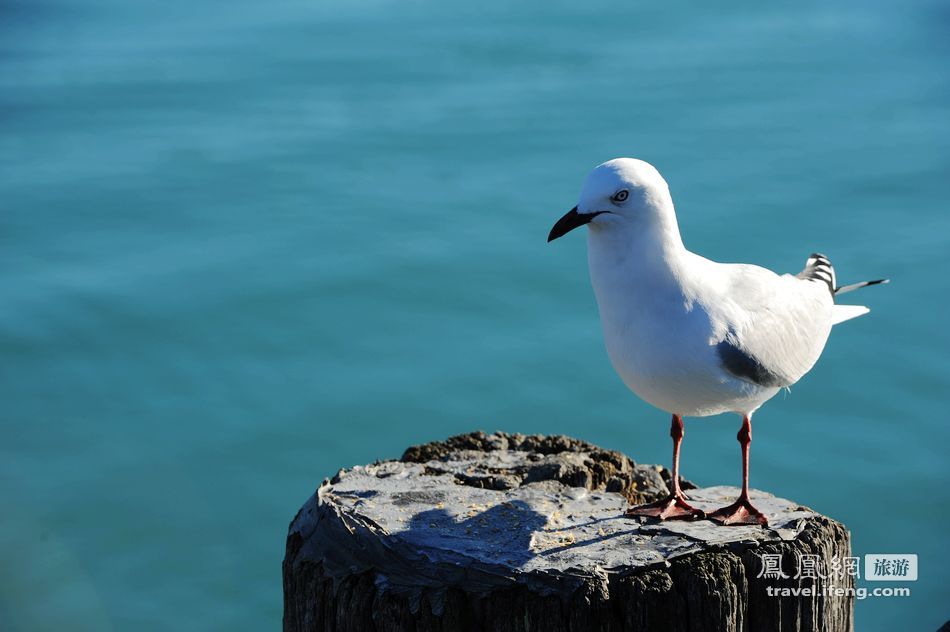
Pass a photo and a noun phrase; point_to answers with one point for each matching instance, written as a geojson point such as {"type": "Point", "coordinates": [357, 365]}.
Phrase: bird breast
{"type": "Point", "coordinates": [660, 342]}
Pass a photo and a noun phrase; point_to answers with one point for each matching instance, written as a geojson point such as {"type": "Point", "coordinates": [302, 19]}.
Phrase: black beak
{"type": "Point", "coordinates": [571, 220]}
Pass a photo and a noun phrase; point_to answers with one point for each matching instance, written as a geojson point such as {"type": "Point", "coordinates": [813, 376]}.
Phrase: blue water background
{"type": "Point", "coordinates": [245, 244]}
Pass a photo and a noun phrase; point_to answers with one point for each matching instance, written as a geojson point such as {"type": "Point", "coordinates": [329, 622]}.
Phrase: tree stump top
{"type": "Point", "coordinates": [484, 511]}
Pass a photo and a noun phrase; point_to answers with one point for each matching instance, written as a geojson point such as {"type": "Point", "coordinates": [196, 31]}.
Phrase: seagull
{"type": "Point", "coordinates": [691, 336]}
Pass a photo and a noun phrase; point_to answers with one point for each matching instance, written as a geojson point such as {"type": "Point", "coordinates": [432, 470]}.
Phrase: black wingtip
{"type": "Point", "coordinates": [747, 367]}
{"type": "Point", "coordinates": [844, 289]}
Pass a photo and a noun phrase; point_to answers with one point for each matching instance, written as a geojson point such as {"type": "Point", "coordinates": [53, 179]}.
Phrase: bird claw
{"type": "Point", "coordinates": [673, 507]}
{"type": "Point", "coordinates": [739, 513]}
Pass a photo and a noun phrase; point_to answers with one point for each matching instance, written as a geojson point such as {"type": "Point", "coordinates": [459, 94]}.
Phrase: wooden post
{"type": "Point", "coordinates": [514, 533]}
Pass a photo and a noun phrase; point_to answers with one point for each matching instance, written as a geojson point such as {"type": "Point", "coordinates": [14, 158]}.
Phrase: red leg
{"type": "Point", "coordinates": [674, 506]}
{"type": "Point", "coordinates": [742, 511]}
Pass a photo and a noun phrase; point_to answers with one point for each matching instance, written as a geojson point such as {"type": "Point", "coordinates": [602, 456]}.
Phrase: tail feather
{"type": "Point", "coordinates": [841, 313]}
{"type": "Point", "coordinates": [819, 269]}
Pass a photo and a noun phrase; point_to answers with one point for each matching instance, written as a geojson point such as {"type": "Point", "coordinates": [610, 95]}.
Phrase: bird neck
{"type": "Point", "coordinates": [648, 248]}
{"type": "Point", "coordinates": [636, 274]}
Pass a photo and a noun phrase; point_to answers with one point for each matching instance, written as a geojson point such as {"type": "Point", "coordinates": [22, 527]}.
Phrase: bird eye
{"type": "Point", "coordinates": [621, 196]}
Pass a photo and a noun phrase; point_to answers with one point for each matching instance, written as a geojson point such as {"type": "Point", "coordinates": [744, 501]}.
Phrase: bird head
{"type": "Point", "coordinates": [620, 192]}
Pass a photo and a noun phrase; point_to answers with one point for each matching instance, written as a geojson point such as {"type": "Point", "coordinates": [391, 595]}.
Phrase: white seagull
{"type": "Point", "coordinates": [691, 336]}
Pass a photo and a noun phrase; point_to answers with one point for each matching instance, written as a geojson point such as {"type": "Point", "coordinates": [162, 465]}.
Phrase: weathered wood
{"type": "Point", "coordinates": [515, 533]}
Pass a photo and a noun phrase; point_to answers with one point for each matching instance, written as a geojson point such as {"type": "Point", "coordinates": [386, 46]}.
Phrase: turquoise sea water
{"type": "Point", "coordinates": [245, 244]}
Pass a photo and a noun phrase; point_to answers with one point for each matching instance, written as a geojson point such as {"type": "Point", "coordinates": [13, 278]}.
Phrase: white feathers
{"type": "Point", "coordinates": [689, 335]}
{"type": "Point", "coordinates": [841, 313]}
